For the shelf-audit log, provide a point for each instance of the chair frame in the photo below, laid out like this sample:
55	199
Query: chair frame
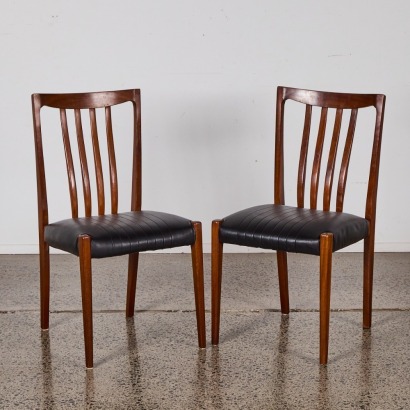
92	101
326	100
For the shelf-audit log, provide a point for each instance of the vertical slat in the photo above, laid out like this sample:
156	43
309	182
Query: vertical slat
371	198
327	192
40	171
314	185
279	189
97	162
83	162
303	157
136	163
341	187
70	165
112	162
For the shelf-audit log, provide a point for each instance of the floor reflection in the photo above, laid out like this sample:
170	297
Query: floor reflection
280	367
134	362
366	370
276	395
323	399
89	388
200	384
215	382
48	399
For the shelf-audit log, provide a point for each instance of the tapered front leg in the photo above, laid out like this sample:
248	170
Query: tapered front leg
132	283
198	276
216	280
84	246
326	250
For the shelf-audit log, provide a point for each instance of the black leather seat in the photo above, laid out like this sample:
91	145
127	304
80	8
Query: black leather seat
290	229
121	234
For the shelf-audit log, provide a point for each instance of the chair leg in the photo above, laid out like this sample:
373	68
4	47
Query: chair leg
198	276
326	250
132	284
84	246
368	263
44	285
283	281
216	281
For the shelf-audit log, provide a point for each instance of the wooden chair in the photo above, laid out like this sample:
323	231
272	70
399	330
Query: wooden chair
304	228
105	233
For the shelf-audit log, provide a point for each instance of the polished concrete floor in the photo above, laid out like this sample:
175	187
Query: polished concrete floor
264	360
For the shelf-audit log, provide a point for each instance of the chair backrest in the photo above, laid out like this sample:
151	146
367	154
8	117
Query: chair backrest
325	102
77	107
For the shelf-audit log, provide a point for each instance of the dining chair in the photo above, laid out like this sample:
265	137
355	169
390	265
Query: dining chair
312	227
98	226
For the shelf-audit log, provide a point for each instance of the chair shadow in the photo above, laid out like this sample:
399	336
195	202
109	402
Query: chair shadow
233	333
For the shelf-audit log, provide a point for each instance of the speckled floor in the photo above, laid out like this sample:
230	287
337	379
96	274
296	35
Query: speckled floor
264	360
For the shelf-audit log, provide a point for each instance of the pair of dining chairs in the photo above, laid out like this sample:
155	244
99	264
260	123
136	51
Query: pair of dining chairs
105	231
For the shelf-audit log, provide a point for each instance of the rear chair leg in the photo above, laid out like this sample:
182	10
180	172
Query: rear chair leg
326	250
132	284
84	246
198	276
283	281
216	280
368	263
44	285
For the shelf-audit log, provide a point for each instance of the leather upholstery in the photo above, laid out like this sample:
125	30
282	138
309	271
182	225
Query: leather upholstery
123	233
290	229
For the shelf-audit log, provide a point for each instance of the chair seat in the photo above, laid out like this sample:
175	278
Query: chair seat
291	229
121	234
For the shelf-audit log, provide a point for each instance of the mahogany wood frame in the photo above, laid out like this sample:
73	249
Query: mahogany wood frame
91	102
325	100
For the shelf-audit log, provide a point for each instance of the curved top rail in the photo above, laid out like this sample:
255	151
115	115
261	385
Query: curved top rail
331	99
86	100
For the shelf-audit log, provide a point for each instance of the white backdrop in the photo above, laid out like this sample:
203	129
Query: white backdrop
208	73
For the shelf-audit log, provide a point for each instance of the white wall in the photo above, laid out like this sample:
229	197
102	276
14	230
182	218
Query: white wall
208	72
